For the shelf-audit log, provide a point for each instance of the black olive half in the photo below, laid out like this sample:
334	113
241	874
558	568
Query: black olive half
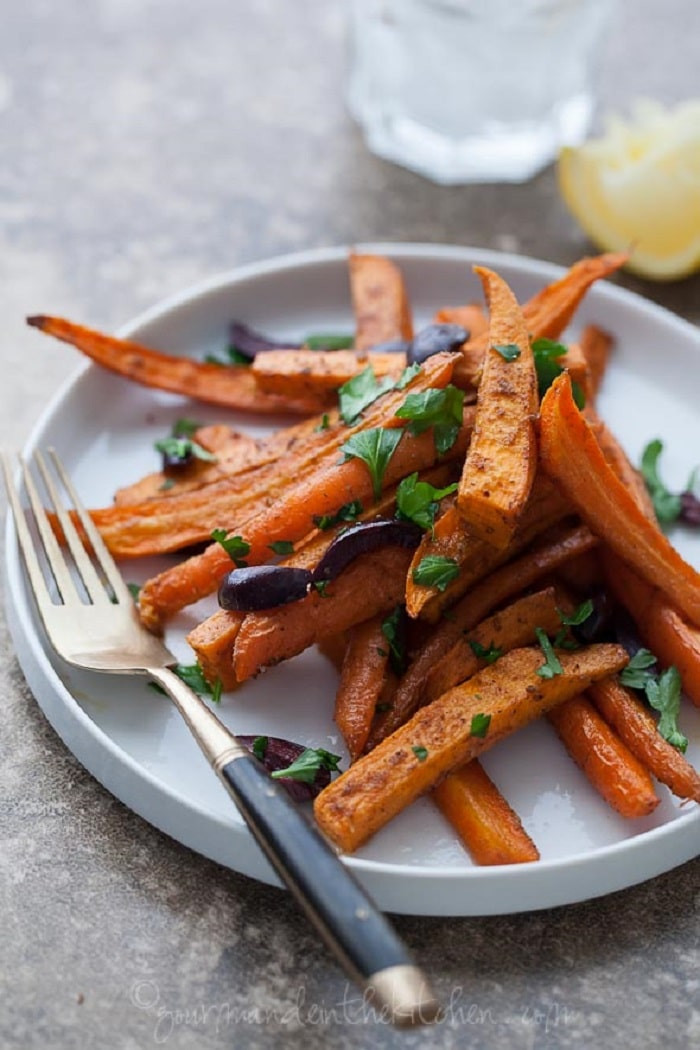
278	753
262	587
362	538
248	342
436	339
597	626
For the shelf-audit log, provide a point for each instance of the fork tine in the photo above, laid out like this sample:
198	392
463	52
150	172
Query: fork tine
93	584
52	550
102	555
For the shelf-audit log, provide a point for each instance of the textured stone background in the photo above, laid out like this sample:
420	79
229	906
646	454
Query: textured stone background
144	145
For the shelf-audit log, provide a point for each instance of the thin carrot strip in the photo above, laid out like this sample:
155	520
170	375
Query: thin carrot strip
361	683
487	825
572	457
230	386
636	727
315	373
610	766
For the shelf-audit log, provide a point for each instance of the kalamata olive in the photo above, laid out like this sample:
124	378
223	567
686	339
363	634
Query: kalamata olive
435	339
263	587
362	538
597	627
277	753
248	342
173	463
690	508
626	632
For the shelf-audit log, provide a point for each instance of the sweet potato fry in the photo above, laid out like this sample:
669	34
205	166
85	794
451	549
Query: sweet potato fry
361	683
610	766
487	825
450	732
487	595
572	457
500	464
596	346
549	312
379	301
231	387
322	490
453	538
635	725
372	584
318	373
663	629
511	628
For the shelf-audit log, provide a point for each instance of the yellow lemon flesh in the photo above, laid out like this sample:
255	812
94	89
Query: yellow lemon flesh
638	188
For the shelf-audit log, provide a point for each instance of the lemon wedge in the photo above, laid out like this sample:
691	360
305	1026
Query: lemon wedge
638	187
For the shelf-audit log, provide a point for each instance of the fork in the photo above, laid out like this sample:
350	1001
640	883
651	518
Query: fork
99	630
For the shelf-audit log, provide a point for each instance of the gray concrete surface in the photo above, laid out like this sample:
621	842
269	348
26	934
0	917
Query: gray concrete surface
145	145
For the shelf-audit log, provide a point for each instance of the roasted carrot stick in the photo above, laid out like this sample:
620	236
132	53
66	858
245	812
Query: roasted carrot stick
452	538
549	312
317	373
361	683
596	346
663	629
487	825
471	316
572	457
636	727
610	766
451	731
618	461
231	386
372	584
379	300
509	629
212	641
500	466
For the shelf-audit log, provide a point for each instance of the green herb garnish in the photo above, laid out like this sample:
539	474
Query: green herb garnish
480	725
637	674
667	505
508	351
329	342
488	653
578	616
664	695
282	547
407	376
348	512
417	501
307	765
185	427
235	546
260	747
360	392
183	448
435	571
168	484
440	409
551	666
393	629
547	354
375	448
420	752
193	676
324	424
322	586
134	590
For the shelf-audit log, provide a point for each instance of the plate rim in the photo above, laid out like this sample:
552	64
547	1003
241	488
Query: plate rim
371	872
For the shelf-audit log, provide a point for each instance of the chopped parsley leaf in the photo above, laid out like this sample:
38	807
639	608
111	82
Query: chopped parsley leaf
420	752
306	766
435	571
551	666
508	351
440	409
417	501
235	546
374	447
348	512
360	392
282	547
480	725
488	653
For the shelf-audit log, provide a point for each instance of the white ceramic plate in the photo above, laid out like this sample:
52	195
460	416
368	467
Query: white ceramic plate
135	744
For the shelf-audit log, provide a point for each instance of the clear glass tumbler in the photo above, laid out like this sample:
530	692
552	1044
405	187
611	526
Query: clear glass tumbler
473	90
